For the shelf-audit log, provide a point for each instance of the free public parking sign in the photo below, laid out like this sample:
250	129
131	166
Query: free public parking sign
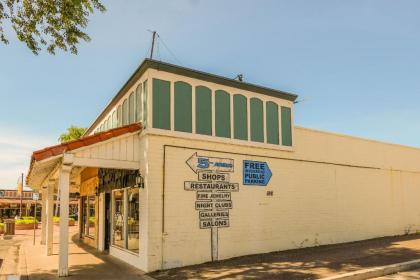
256	173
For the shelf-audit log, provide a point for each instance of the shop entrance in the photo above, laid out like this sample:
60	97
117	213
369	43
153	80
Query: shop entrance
107	220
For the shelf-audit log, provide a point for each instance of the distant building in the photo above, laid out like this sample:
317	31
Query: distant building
10	203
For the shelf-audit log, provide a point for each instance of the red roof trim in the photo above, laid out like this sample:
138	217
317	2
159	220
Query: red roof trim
85	141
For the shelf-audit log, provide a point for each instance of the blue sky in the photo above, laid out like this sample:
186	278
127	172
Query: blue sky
354	63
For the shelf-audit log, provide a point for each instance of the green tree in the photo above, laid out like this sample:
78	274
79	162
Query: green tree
72	133
48	23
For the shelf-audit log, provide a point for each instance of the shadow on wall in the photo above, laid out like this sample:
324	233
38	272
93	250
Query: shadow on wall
308	263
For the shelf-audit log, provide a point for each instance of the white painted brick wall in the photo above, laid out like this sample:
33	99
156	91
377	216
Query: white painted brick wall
313	203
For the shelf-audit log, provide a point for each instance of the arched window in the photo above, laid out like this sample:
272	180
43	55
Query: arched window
114	119
286	126
139	103
272	119
125	112
131	108
257	120
144	99
240	115
222	103
183	106
203	110
119	116
108	122
161	104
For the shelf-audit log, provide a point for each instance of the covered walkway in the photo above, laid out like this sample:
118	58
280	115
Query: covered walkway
84	262
57	171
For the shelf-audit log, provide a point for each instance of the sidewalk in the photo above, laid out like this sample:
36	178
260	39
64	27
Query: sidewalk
310	263
84	262
10	255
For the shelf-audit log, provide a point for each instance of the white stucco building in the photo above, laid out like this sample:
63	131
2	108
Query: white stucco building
184	167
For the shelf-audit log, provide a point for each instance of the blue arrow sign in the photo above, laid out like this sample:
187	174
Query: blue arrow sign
256	173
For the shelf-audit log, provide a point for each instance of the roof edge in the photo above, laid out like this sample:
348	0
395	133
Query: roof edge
60	149
192	73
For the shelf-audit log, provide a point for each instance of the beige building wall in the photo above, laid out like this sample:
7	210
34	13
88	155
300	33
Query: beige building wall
329	189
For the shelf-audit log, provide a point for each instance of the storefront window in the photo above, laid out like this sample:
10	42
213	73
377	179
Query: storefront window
118	219
85	229
133	220
126	217
92	217
88	221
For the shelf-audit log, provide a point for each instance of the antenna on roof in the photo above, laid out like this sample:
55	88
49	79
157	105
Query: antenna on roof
239	77
298	101
153	43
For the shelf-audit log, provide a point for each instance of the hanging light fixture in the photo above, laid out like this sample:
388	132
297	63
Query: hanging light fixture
139	181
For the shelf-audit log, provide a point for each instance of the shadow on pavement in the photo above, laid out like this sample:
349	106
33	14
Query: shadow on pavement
308	263
107	267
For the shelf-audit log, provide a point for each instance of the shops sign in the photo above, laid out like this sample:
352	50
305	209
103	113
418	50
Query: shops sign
256	173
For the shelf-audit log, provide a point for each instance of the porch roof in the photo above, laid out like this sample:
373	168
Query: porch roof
44	161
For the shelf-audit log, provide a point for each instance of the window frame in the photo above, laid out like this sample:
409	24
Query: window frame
125	112
183	115
223	125
256	120
125	220
240	121
131	108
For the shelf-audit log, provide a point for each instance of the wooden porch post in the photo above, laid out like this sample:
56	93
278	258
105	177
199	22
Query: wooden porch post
43	216
49	219
64	186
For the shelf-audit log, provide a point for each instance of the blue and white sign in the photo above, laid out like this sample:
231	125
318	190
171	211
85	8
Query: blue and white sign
256	173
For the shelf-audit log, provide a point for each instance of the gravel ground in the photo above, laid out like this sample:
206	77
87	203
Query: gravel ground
310	263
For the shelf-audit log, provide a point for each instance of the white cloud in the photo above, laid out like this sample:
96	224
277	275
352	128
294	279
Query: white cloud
16	148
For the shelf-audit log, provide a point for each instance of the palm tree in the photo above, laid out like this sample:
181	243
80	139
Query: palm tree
72	133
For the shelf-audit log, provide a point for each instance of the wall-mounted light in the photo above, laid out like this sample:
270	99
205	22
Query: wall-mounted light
139	181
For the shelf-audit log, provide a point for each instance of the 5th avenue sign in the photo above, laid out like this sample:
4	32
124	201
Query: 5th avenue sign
197	163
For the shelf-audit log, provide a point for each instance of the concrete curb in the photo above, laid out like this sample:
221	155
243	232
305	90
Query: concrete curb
377	271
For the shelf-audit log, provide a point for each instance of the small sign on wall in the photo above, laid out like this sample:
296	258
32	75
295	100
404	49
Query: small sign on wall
256	173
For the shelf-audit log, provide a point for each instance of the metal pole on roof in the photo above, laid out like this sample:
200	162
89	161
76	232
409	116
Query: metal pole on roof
153	44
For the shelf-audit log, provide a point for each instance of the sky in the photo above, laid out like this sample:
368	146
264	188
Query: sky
354	64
